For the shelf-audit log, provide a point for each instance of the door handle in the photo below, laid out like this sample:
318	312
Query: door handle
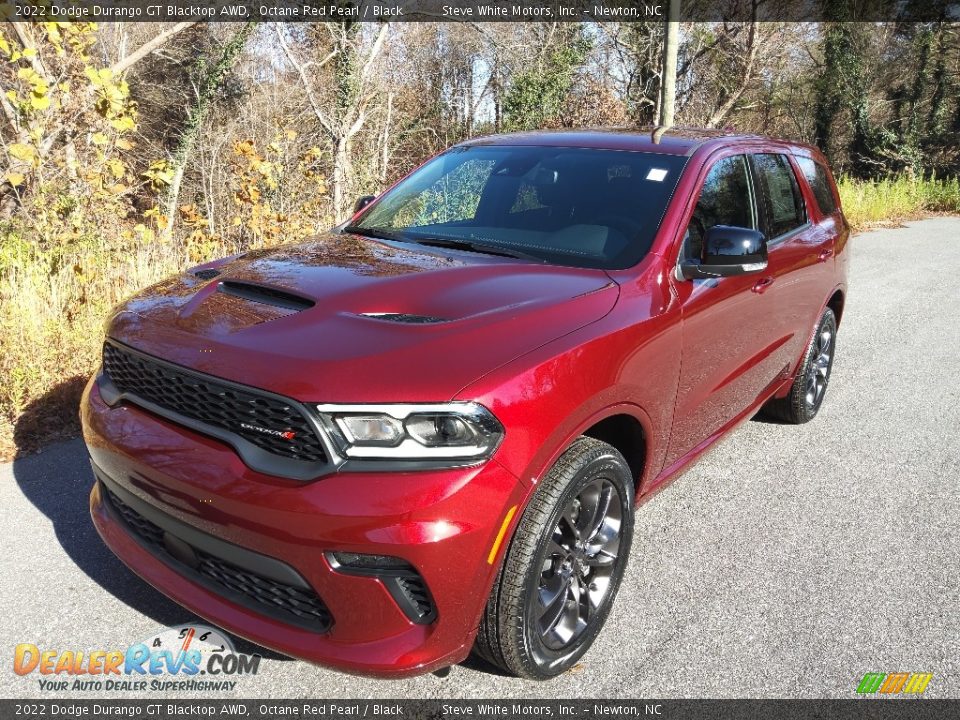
762	284
825	255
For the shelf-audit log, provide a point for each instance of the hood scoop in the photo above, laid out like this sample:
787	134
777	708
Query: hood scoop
407	318
265	295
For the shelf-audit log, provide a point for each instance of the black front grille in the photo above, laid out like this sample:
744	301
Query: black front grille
298	605
266	421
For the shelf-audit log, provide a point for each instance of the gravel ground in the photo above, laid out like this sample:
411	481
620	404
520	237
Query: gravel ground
787	563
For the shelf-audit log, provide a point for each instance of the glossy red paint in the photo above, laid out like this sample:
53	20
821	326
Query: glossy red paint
551	351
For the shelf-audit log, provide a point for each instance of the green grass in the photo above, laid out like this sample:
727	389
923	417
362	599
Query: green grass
871	202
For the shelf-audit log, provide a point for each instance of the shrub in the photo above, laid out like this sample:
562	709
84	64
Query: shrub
869	202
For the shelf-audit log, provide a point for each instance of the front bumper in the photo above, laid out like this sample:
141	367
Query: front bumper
444	523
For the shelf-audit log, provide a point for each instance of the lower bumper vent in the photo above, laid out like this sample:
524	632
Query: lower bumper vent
405	584
419	605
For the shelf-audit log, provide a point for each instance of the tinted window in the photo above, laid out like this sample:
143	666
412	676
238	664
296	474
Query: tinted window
819	181
724	200
783	204
571	206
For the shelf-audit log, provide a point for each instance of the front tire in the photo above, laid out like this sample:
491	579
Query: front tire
564	565
810	385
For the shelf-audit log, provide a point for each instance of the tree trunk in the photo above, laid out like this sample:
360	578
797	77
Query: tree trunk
918	91
668	82
341	175
936	121
385	144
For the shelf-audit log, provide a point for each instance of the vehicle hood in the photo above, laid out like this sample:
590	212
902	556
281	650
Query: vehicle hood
476	313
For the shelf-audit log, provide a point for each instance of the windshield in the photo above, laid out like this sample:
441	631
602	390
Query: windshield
568	206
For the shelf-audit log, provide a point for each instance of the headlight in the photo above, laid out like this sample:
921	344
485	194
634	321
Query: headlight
448	431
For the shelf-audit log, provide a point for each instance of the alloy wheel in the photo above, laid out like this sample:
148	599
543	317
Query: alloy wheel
819	370
579	565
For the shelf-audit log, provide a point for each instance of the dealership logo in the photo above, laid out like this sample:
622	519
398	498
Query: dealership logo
899	683
286	434
189	657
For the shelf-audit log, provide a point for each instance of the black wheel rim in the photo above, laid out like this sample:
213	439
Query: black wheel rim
580	564
819	371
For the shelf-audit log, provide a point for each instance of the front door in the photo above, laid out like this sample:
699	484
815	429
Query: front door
728	326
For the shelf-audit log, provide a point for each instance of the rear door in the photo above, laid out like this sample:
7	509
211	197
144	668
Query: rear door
825	211
798	246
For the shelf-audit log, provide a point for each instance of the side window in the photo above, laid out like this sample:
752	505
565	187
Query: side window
725	199
819	181
783	204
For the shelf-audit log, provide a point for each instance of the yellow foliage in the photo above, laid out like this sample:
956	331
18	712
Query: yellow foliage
25	153
117	168
159	174
78	245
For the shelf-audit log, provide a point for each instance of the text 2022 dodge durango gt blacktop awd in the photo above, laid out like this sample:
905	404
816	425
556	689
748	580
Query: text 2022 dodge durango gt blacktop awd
426	431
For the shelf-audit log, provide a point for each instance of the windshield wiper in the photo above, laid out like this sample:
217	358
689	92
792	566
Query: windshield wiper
476	247
374	232
454	244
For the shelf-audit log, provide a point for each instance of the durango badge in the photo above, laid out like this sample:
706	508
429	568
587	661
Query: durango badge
286	434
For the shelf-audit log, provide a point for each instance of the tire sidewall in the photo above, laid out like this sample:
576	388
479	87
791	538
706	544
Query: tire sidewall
602	463
827	318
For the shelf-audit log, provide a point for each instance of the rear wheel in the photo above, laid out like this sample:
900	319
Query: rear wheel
564	565
810	384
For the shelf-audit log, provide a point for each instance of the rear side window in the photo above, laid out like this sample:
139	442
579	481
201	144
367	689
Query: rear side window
783	204
819	181
724	200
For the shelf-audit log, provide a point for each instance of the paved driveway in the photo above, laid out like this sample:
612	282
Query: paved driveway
787	563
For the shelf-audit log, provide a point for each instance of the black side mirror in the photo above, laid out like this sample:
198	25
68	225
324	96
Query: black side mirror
362	202
728	251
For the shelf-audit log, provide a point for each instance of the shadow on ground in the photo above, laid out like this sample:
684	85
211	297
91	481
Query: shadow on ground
58	483
50	418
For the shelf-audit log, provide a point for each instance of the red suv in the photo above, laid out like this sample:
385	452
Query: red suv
426	431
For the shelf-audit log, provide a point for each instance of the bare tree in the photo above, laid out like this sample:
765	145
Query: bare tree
209	83
353	65
153	45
